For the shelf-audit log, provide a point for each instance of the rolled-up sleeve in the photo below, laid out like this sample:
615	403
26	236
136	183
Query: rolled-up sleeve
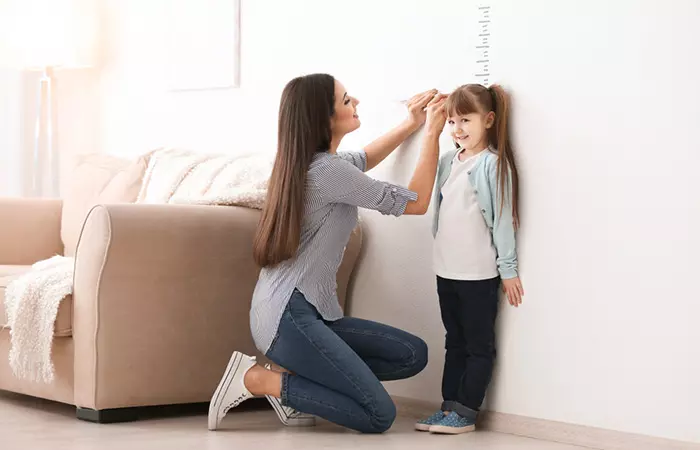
340	181
357	159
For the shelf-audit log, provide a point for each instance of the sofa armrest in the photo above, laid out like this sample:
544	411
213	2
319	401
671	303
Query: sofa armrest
30	230
161	299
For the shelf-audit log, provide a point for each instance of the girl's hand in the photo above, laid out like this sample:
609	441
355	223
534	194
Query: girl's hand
416	107
436	114
514	291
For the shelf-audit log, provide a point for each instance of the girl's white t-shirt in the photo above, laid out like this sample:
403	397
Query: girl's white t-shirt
463	248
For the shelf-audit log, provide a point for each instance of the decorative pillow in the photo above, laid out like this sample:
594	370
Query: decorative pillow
97	179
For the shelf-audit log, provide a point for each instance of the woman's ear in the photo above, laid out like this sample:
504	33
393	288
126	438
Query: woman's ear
490	119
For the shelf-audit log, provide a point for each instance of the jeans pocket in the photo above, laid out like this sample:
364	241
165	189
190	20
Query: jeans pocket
271	348
285	316
495	287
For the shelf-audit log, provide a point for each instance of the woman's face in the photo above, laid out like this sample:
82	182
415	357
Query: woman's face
345	120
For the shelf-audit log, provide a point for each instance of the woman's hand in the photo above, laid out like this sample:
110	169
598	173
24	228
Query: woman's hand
514	291
436	114
381	147
416	107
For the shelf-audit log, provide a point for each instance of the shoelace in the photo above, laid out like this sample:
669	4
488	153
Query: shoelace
293	413
235	403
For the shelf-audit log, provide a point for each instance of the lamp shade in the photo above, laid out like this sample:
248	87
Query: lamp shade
35	34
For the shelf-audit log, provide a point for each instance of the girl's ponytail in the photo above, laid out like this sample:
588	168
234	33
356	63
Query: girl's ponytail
500	139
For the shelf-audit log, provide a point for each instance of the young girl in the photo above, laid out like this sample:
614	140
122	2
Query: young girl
476	216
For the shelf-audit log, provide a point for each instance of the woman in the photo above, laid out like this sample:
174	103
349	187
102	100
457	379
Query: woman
336	363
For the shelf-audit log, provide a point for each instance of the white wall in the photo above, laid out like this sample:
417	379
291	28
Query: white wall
606	130
10	132
606	101
78	117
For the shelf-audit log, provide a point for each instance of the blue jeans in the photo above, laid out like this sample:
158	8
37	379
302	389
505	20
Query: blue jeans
338	366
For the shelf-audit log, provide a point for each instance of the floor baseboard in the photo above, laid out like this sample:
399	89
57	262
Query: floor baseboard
547	430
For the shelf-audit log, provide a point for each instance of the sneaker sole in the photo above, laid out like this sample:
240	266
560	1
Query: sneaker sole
441	429
308	421
422	427
214	406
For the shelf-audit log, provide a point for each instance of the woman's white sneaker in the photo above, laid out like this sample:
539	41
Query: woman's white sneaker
289	416
231	391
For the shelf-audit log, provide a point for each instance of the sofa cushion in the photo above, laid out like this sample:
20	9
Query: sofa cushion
64	320
97	179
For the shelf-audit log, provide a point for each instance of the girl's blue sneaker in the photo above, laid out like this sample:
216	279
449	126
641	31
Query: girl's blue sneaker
425	424
453	423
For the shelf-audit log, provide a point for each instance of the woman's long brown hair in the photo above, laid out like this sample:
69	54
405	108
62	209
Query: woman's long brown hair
304	128
475	98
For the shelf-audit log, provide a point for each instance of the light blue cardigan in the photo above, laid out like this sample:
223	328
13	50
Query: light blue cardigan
484	179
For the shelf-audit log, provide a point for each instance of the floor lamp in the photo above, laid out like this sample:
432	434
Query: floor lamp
47	36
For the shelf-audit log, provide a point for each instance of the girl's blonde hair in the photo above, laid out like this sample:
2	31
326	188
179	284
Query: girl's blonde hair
475	98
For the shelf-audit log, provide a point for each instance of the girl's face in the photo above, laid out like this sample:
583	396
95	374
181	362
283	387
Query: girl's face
470	131
345	120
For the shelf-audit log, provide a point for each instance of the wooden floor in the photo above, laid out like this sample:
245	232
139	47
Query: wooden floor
29	424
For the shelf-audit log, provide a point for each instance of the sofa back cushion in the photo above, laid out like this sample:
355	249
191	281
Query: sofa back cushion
97	179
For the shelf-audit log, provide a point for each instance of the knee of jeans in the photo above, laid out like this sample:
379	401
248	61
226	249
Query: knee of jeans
384	414
483	348
421	357
455	341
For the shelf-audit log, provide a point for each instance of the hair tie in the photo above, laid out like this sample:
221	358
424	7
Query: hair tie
492	92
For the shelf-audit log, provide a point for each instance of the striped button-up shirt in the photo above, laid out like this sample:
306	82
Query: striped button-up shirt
336	186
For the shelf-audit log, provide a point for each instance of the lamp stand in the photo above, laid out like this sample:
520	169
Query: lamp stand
45	155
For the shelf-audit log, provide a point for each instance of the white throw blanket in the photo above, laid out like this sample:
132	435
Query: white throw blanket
172	176
31	303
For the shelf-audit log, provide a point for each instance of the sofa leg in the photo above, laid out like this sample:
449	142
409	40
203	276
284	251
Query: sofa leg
107	415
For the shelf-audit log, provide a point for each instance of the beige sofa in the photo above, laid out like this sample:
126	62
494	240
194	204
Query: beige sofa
160	300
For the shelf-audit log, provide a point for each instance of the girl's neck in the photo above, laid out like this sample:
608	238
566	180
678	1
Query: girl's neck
469	152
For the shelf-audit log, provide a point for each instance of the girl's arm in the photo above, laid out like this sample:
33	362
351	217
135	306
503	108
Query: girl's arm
382	147
503	226
423	178
504	239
